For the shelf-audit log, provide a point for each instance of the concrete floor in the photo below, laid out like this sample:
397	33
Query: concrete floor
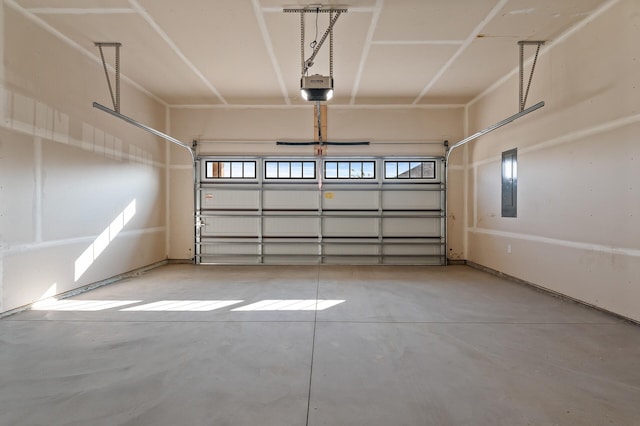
408	346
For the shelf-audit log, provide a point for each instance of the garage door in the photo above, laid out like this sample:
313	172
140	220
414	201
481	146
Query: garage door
285	210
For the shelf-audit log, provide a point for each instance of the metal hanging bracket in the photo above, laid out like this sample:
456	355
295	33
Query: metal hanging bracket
335	13
523	95
115	98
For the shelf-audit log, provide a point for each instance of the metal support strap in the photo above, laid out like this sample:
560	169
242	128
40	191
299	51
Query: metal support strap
309	62
523	95
334	14
115	98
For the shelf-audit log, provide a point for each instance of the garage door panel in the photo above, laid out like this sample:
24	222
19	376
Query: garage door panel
290	200
350	227
350	200
411	227
301	247
226	247
410	249
291	226
411	200
222	199
231	226
229	259
346	249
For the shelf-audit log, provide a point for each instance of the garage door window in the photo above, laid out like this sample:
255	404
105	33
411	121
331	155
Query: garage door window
409	169
230	169
350	170
290	169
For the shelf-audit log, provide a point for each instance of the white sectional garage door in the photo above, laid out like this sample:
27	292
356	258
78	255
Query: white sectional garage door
381	210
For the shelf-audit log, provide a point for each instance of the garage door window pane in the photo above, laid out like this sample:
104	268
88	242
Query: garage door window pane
331	170
237	169
296	170
309	170
283	169
415	170
249	170
271	170
368	170
356	170
391	170
343	170
403	170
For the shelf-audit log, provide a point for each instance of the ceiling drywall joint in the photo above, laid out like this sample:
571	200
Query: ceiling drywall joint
145	15
266	38
365	51
467	42
524	94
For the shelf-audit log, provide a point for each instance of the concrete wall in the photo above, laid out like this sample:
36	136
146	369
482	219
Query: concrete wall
578	225
254	131
82	194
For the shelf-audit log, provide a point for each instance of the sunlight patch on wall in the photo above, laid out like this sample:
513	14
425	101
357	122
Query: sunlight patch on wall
290	305
184	305
96	248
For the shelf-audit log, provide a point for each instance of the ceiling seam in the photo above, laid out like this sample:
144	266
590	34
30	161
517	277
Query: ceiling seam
417	42
80	11
266	38
365	52
145	15
94	57
546	48
494	11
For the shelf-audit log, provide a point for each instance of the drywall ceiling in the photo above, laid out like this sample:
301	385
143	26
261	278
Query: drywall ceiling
247	52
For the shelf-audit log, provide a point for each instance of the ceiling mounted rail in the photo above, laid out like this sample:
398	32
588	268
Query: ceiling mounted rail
144	127
493	127
116	99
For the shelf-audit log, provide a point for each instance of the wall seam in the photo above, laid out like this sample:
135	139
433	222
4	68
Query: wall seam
10	250
568	137
167	185
631	252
